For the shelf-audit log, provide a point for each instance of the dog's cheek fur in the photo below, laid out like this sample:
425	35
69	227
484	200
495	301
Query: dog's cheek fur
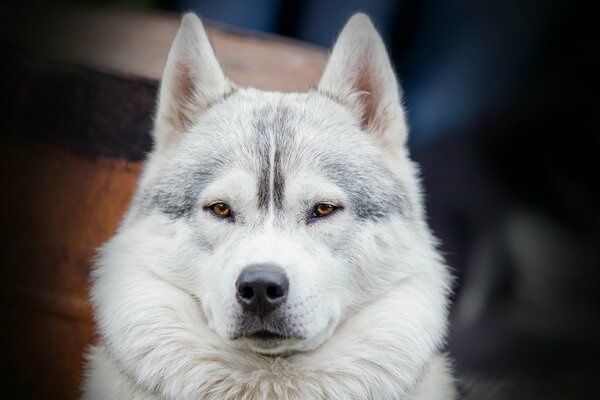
375	261
161	344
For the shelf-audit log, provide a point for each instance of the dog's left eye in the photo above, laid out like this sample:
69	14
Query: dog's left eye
323	210
221	210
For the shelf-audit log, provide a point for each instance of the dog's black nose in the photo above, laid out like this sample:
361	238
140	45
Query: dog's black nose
260	288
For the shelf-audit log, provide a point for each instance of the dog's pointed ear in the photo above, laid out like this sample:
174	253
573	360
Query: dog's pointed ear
359	74
192	79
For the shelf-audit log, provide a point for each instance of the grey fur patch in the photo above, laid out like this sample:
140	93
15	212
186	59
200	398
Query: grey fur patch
282	130
271	127
278	181
263	147
373	192
176	192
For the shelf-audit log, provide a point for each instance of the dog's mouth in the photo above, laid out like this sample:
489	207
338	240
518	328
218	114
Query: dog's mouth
262	335
270	338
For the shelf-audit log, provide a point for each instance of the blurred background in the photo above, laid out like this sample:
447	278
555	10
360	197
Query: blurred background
503	103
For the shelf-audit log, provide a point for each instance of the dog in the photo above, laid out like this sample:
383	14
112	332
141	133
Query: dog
276	246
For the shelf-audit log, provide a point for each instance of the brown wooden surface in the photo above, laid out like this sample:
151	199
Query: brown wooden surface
77	94
56	211
135	42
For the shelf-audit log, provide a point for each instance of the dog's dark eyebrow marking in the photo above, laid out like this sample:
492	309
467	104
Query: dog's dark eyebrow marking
373	192
282	135
278	181
176	191
271	128
263	150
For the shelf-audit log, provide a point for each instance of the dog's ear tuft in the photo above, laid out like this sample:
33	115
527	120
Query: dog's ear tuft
192	79
359	74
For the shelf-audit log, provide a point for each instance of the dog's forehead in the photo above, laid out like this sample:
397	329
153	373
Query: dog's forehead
303	130
288	118
273	136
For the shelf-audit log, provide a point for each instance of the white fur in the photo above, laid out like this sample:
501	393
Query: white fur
370	318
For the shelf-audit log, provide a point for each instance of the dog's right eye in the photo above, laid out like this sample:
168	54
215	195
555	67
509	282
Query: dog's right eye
322	210
220	210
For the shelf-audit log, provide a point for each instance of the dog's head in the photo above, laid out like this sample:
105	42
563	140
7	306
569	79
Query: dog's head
280	214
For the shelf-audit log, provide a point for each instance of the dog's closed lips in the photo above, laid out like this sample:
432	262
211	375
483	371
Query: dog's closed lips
263	334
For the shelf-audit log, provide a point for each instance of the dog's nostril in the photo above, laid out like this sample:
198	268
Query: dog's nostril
247	292
274	292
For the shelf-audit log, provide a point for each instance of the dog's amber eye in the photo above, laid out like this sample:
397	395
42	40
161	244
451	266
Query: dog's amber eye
221	210
323	209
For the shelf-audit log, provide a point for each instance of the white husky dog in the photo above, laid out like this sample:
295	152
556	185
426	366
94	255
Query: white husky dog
276	247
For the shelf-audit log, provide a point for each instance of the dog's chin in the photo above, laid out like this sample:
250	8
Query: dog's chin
280	347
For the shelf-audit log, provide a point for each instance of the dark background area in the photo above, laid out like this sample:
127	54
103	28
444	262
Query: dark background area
502	99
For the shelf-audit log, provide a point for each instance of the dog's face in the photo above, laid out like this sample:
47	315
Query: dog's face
280	214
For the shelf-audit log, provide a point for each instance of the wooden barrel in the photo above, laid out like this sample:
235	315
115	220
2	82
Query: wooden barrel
77	95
